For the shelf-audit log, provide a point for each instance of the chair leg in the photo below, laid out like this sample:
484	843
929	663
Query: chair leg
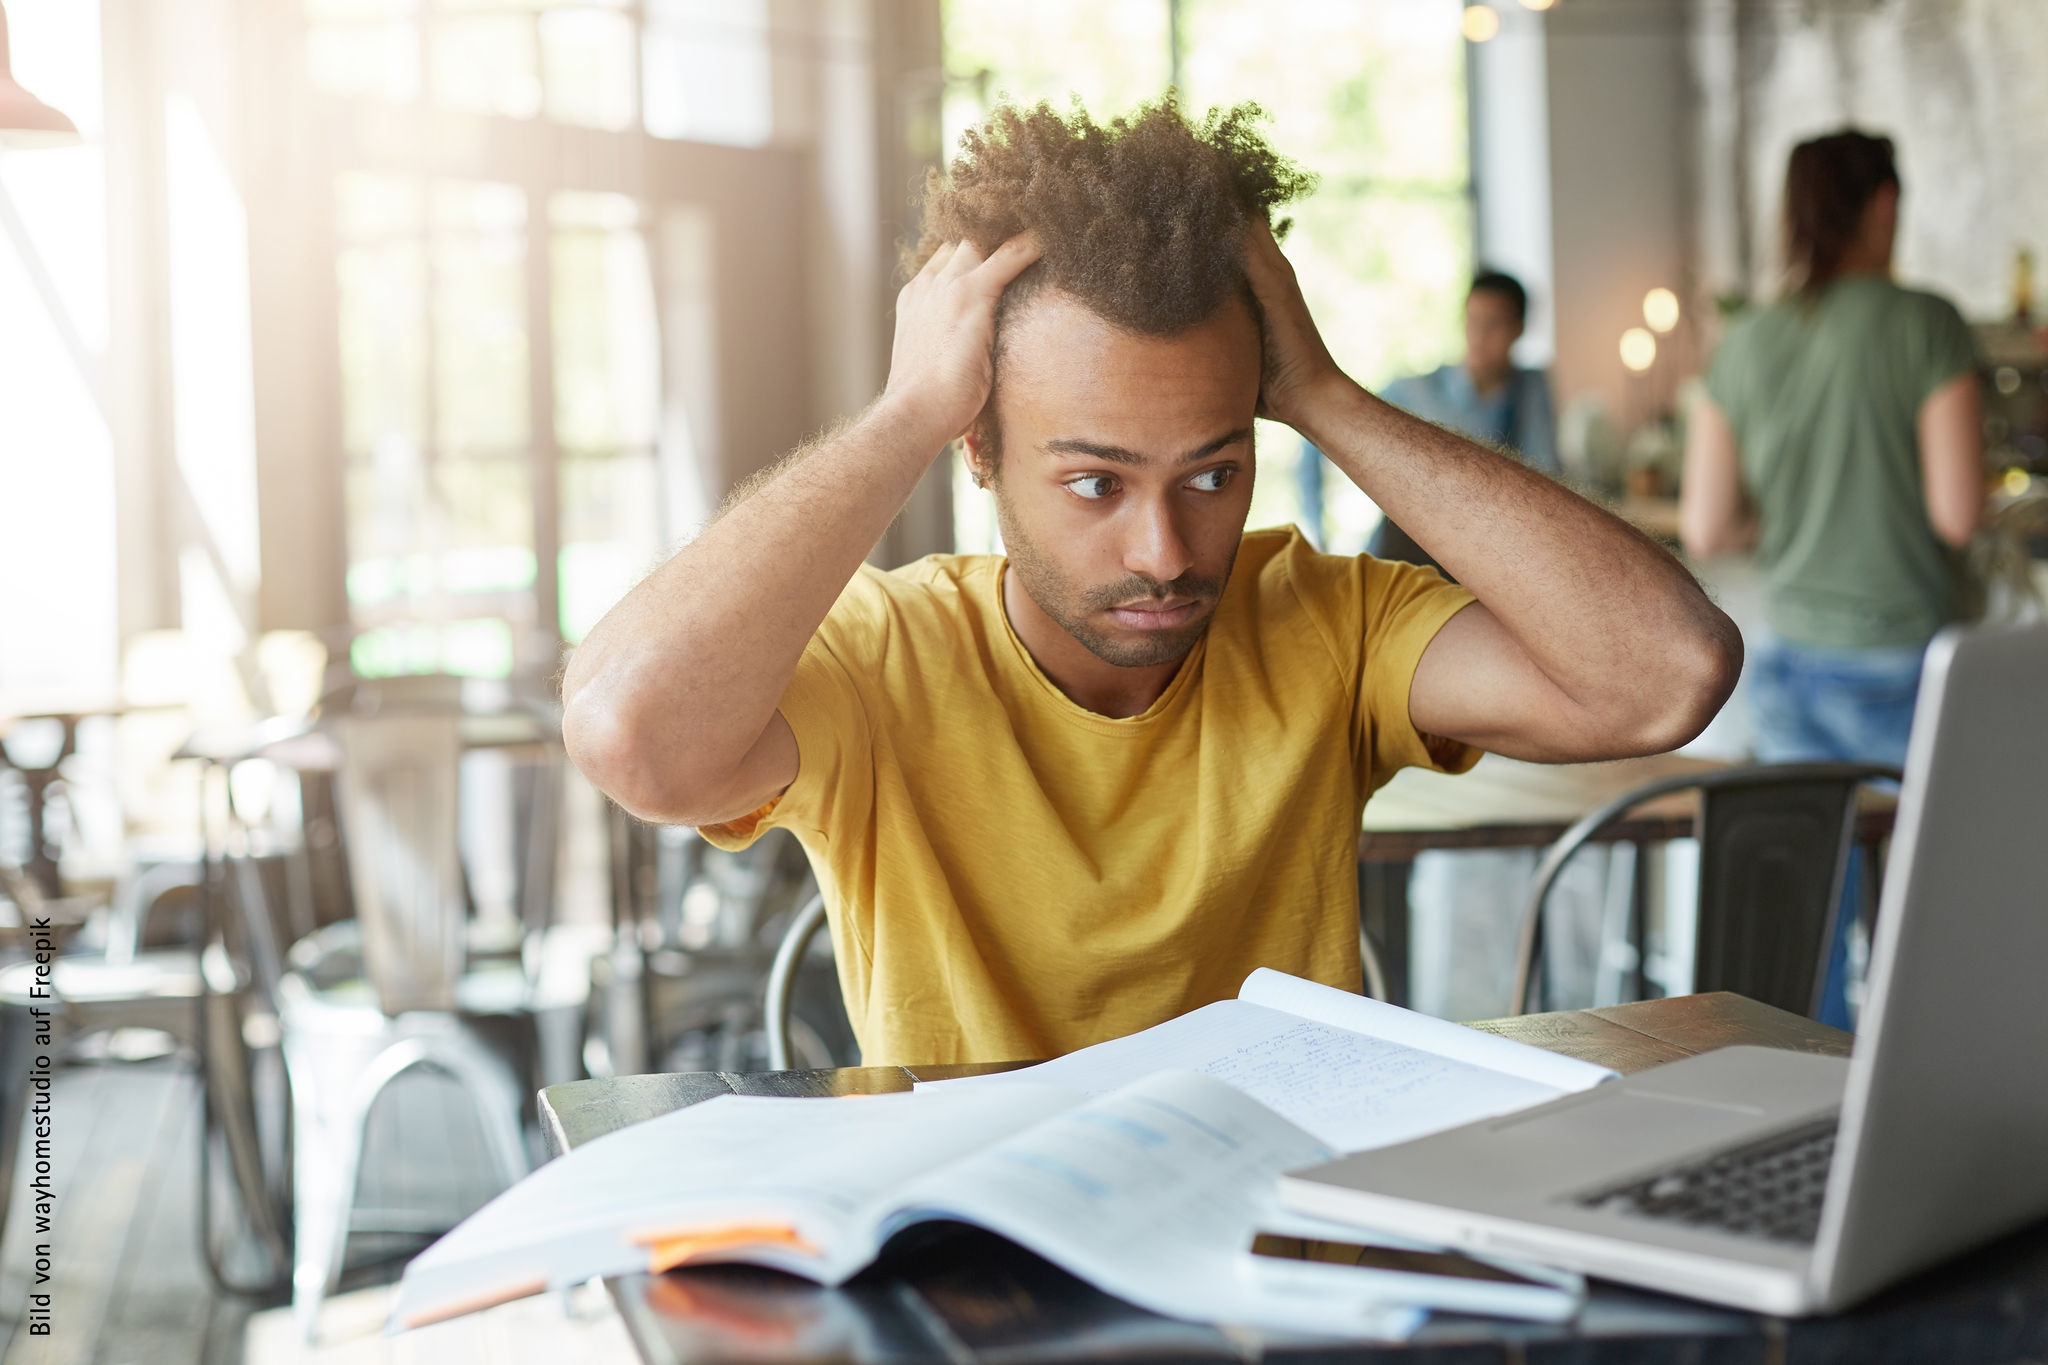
1618	954
1638	925
621	992
319	1202
328	1109
226	1074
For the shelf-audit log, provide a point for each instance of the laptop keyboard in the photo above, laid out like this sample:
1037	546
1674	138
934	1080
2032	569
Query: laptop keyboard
1772	1189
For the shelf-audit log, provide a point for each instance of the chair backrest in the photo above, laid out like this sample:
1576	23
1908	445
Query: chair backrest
400	775
1773	855
781	993
1774	848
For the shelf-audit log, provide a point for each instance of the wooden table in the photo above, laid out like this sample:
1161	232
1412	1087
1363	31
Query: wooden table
959	1296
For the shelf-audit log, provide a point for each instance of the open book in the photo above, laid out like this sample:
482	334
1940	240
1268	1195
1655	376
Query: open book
1352	1071
1128	1167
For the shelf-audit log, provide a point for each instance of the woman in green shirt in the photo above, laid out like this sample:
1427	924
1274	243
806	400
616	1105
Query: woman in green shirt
1840	440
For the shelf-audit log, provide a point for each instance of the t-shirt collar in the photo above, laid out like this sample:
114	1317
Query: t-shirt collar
1183	678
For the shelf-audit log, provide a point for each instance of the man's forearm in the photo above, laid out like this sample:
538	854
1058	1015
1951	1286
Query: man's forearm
672	688
1598	607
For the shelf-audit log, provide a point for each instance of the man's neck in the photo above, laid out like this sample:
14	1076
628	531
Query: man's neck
1090	682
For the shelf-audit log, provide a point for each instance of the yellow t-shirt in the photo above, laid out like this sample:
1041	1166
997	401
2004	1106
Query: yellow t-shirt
1009	875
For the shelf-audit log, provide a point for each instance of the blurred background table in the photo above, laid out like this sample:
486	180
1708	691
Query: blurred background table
1501	803
35	739
1506	803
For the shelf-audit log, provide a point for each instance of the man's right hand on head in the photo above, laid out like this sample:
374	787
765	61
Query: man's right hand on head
942	365
1297	365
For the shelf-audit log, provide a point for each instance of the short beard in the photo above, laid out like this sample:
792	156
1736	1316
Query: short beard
1071	606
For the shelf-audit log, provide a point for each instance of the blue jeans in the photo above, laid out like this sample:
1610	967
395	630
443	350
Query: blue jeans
1818	705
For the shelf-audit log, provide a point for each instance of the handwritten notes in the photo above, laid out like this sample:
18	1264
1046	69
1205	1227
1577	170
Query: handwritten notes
1347	1088
1391	1023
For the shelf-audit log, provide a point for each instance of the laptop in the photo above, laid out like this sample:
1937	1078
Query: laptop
1780	1181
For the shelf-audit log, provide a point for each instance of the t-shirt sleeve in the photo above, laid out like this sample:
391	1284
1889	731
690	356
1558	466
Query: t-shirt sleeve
1943	347
1405	605
826	710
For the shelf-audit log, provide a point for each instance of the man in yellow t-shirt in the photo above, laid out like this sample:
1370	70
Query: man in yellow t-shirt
1063	794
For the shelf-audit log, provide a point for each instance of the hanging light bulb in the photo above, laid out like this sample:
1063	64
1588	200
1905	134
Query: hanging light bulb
26	121
1480	23
1660	309
1638	349
1538	4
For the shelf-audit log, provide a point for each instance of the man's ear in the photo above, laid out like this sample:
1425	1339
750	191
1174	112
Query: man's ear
978	444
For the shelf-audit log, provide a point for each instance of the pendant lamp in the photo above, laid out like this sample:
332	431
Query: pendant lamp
26	121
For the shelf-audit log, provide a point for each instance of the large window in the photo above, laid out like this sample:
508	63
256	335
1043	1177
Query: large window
695	69
435	421
1370	94
503	392
607	401
56	452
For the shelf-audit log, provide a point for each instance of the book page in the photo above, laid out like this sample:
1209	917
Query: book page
811	1166
1362	1014
1348	1090
1154	1194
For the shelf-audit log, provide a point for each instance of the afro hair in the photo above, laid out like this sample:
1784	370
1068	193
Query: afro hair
1142	219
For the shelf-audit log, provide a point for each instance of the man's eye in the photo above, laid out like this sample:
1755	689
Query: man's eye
1211	480
1093	486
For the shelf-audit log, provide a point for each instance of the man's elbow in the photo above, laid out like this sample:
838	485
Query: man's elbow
1693	682
616	755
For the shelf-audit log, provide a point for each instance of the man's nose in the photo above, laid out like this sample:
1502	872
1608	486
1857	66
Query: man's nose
1156	547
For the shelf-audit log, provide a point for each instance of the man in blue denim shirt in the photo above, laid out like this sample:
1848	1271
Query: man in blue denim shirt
1486	397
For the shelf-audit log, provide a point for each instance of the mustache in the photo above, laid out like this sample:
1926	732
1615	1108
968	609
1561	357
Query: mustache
1136	587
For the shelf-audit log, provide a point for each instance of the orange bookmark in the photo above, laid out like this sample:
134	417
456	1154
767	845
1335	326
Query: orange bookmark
668	1249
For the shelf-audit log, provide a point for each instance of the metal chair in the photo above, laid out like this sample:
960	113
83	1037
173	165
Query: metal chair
1774	851
400	986
696	932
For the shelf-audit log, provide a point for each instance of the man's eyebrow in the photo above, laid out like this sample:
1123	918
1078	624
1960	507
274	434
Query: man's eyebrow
1069	445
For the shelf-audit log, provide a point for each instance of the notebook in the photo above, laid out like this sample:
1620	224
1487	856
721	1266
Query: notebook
1124	1163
